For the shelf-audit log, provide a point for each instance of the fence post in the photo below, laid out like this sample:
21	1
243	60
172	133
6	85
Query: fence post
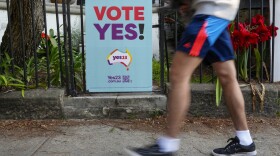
72	73
59	43
47	46
34	45
161	49
65	47
83	48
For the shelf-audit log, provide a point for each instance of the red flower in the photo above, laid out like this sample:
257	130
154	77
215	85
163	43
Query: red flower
43	35
246	34
257	20
273	28
247	38
234	39
243	38
263	31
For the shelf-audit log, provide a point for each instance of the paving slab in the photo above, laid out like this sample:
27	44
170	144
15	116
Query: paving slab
109	140
15	146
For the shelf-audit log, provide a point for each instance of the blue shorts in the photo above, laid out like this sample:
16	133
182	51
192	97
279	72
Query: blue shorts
207	37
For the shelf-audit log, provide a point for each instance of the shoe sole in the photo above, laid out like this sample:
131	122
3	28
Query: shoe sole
254	153
131	153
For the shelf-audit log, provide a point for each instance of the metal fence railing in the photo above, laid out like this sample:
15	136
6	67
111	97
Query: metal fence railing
205	74
50	60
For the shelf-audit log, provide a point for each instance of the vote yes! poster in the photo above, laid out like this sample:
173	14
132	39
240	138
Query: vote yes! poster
118	45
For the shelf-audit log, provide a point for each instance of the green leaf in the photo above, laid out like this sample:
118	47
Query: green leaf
4	79
8	58
22	93
16	80
51	33
219	92
258	62
231	29
16	85
54	42
41	51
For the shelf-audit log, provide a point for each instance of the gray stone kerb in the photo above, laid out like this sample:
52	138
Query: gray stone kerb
36	104
53	104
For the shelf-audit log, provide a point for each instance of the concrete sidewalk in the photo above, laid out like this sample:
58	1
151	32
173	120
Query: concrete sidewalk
101	139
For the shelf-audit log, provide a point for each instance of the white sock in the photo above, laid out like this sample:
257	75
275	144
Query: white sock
244	137
168	144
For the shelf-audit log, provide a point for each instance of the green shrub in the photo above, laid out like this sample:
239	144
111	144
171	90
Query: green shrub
156	72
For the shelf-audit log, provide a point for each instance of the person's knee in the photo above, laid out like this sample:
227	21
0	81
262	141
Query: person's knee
226	77
175	76
178	77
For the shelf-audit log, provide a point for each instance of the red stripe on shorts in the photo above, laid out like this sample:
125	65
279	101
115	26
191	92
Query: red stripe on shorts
199	41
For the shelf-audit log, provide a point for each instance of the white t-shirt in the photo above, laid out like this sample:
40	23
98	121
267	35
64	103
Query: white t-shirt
226	9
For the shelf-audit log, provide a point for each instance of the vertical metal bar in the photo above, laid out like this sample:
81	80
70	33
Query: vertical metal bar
273	42
47	46
166	55
11	53
161	3
176	43
65	47
72	73
262	47
34	45
250	48
176	29
22	41
161	47
238	51
83	48
59	44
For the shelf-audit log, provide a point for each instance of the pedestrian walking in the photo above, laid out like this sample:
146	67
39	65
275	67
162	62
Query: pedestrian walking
205	39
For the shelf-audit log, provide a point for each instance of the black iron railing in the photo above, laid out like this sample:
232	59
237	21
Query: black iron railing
248	9
67	74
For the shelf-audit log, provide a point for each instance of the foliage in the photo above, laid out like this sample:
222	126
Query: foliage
250	34
15	80
219	92
245	35
206	78
156	72
7	78
55	62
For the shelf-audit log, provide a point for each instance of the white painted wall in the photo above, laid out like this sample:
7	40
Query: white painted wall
51	22
276	76
3	23
155	37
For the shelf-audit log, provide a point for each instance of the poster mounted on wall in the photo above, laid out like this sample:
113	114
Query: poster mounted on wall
118	45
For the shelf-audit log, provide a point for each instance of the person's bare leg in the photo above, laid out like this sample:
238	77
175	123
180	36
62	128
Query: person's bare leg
181	71
226	73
